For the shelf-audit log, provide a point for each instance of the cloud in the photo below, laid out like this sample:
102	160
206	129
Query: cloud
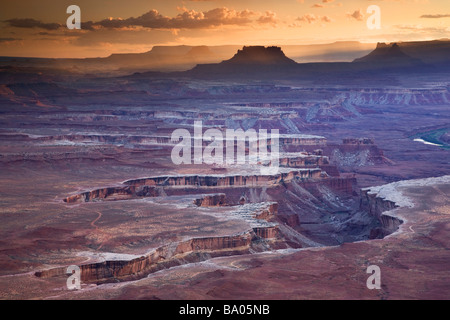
357	14
311	18
270	17
188	19
294	25
9	39
320	5
64	33
32	23
435	16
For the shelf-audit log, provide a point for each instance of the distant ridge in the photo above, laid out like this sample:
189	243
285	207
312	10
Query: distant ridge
390	56
200	52
251	62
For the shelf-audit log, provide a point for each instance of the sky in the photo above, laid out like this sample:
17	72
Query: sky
31	28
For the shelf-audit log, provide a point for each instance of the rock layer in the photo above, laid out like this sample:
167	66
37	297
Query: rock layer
192	250
378	207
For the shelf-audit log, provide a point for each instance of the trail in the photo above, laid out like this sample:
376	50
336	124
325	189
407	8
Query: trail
98	218
97	229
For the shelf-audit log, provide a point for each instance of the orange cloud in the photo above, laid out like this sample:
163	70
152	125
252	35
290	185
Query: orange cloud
357	14
187	19
311	18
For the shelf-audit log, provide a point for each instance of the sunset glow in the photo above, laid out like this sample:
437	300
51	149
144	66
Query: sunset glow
38	29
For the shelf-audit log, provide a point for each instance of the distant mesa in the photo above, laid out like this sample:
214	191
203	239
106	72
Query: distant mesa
260	55
253	61
390	55
169	50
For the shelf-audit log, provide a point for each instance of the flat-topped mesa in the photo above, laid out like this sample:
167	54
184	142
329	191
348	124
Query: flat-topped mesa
166	140
284	139
96	138
260	55
358	141
259	237
390	55
228	180
191	250
114	193
157	186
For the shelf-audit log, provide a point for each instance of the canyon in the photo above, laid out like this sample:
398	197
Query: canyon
88	180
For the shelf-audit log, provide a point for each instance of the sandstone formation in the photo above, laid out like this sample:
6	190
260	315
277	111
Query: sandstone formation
225	180
188	251
192	250
377	207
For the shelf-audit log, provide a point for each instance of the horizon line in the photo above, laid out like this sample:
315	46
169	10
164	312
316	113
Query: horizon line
225	45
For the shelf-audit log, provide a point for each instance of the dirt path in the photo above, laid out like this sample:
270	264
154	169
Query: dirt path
97	229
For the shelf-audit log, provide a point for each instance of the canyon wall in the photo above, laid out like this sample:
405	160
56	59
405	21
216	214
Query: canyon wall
267	232
345	186
376	206
303	161
213	200
114	193
138	189
226	181
192	250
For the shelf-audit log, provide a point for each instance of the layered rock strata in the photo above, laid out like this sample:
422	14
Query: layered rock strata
259	237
